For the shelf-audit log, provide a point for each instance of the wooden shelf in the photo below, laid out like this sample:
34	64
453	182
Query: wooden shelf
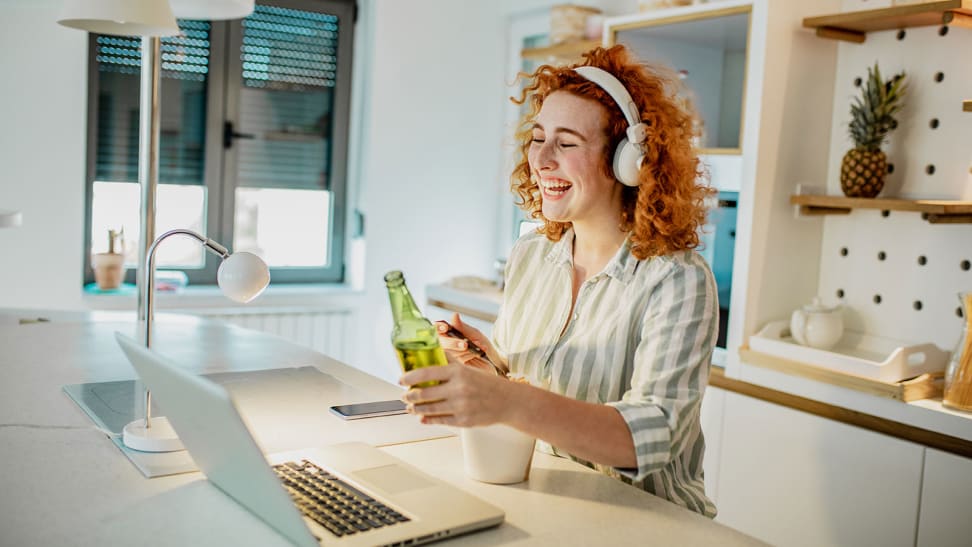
934	211
568	51
853	26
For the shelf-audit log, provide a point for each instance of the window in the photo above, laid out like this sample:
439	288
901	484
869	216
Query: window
253	147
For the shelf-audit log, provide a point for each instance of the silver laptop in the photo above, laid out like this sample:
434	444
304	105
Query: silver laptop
343	494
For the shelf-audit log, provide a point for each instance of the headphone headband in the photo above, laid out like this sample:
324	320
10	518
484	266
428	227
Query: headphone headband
609	83
630	153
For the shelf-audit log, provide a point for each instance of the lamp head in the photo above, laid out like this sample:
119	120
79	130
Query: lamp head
10	219
243	276
120	17
212	10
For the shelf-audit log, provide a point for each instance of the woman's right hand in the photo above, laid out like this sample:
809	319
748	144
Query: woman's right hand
458	349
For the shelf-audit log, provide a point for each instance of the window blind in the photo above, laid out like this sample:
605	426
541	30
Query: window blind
184	65
289	64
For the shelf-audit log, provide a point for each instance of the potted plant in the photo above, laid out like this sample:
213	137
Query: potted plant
864	167
109	268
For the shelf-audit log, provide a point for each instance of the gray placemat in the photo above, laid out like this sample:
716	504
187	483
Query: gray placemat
111	406
285	409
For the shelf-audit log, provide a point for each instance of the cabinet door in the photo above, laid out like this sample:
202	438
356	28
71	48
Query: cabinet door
946	499
792	478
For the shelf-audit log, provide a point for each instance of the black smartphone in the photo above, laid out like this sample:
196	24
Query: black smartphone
357	411
454	333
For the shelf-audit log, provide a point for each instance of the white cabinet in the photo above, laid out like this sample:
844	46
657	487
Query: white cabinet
792	478
946	501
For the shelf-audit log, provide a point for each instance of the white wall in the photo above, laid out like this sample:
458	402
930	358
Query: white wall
43	108
430	152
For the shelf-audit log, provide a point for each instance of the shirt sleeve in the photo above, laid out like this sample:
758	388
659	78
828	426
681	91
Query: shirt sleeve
671	364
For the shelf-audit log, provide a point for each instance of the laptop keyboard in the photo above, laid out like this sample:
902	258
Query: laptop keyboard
333	503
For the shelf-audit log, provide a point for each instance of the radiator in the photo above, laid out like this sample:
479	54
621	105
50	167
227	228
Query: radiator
326	331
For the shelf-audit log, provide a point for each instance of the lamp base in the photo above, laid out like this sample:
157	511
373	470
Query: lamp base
158	438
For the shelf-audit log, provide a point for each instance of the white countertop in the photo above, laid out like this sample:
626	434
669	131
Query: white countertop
64	482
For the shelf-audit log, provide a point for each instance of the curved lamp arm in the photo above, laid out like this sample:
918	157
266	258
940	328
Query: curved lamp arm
149	281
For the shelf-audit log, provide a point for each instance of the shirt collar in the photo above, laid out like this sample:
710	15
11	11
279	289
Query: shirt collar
561	253
621	266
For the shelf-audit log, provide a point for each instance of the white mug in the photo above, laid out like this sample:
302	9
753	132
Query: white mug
497	454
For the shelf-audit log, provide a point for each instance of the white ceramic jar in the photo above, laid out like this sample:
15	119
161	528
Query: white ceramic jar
817	325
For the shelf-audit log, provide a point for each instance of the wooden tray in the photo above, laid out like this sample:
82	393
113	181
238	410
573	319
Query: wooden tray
925	386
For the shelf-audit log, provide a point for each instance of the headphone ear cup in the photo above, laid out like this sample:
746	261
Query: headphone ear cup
627	163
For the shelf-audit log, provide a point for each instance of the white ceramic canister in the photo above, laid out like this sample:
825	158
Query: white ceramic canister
817	325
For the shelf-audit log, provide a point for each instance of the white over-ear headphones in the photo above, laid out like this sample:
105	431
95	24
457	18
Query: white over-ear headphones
630	153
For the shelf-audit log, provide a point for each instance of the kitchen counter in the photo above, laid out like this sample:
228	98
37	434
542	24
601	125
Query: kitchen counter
64	482
924	421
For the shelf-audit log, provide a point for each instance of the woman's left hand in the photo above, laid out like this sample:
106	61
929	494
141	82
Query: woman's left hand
464	397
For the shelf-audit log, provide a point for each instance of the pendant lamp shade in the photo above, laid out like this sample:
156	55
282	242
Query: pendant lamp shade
211	10
10	219
120	17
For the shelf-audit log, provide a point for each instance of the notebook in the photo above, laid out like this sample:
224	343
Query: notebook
343	494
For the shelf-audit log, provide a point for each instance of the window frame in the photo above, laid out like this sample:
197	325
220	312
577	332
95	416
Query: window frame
219	171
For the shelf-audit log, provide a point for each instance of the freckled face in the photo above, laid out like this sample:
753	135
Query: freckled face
567	154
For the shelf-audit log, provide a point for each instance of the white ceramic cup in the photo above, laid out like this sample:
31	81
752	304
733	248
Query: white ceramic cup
497	454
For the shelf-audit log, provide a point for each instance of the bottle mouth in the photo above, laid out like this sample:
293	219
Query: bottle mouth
394	277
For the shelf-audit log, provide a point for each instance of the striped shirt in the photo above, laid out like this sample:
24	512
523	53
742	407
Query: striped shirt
640	339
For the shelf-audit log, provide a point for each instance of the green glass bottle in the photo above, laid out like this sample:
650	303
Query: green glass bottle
414	337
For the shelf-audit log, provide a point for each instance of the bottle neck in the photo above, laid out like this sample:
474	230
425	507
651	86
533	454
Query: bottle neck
402	304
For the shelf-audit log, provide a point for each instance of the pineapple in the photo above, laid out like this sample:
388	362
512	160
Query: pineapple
865	166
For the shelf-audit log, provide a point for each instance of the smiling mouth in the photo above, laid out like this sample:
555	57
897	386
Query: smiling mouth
555	187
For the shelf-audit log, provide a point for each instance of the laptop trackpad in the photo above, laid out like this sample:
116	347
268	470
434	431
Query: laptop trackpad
393	478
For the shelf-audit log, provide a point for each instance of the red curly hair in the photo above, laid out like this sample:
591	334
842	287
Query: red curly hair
664	212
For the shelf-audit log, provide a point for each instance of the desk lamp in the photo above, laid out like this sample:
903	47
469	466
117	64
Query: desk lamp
149	19
242	277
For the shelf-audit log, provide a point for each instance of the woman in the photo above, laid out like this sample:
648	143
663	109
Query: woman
606	306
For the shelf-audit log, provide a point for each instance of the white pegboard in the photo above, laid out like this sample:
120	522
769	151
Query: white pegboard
899	279
914	145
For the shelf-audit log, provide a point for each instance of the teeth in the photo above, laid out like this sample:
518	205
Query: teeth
556	185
